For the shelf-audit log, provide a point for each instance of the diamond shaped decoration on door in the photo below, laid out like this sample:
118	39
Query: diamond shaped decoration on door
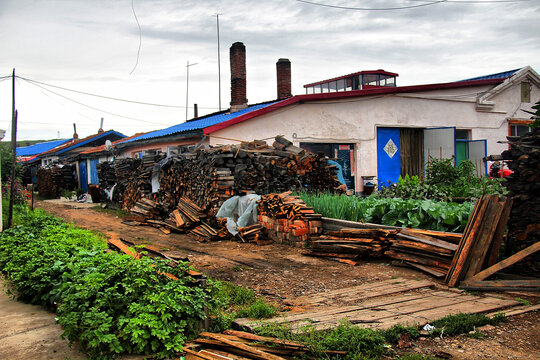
390	148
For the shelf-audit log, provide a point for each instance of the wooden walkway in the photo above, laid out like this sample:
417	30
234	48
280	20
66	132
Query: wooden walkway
382	304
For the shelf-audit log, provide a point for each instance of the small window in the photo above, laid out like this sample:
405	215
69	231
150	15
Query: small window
463	134
518	130
525	92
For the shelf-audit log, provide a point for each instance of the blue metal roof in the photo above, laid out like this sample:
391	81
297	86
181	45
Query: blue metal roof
197	124
40	147
88	140
501	75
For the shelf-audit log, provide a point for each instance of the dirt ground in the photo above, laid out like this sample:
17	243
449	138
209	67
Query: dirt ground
281	273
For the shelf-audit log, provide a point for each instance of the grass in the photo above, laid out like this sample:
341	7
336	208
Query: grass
463	323
523	301
111	211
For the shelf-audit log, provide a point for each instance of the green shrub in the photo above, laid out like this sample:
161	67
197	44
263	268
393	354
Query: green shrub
393	334
108	302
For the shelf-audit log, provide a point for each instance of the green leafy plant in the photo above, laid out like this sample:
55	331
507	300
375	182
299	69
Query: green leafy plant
424	214
108	302
393	334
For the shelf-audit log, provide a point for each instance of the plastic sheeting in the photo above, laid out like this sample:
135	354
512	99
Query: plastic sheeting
240	211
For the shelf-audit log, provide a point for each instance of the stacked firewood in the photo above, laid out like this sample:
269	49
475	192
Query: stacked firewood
106	174
524	187
288	219
53	180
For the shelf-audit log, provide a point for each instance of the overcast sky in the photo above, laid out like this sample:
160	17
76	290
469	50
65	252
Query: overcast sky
92	46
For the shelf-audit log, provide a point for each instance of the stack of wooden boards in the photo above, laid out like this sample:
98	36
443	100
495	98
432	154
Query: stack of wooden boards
51	181
481	240
287	219
524	187
429	251
243	345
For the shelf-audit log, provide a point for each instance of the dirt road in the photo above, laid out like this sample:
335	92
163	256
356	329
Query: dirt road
281	273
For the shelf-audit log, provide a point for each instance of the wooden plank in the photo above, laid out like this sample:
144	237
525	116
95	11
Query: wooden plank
479	252
427	269
518	310
503	285
493	251
428	240
257	353
387	287
506	262
469	242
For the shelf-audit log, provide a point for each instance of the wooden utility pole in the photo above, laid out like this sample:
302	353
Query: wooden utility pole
14	148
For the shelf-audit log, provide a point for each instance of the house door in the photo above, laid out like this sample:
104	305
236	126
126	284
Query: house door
439	143
345	155
477	152
83	175
388	155
94	179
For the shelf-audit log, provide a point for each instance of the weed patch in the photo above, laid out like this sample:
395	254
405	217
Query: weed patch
463	323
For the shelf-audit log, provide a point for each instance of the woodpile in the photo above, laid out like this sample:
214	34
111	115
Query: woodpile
524	187
429	251
209	176
481	240
53	180
351	244
287	219
243	345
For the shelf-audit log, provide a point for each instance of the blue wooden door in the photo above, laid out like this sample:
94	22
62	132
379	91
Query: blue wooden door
388	155
94	179
83	175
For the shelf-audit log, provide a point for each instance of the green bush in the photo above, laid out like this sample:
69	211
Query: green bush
444	181
463	323
108	302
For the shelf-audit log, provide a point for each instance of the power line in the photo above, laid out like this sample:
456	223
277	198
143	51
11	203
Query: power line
371	9
140	36
94	108
109	97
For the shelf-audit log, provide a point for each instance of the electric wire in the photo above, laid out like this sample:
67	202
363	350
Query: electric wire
109	97
97	109
140	37
371	9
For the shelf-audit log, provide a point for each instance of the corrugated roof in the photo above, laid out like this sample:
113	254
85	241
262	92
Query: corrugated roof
501	75
40	147
198	124
80	142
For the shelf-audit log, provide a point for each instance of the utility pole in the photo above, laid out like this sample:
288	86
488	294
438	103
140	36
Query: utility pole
14	148
218	60
187	87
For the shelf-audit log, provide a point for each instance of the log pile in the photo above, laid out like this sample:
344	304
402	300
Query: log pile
287	219
53	180
242	345
524	187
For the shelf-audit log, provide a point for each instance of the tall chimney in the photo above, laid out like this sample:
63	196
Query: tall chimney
75	135
283	71
238	76
101	127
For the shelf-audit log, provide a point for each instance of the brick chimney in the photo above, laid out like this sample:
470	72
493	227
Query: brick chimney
75	135
283	71
238	76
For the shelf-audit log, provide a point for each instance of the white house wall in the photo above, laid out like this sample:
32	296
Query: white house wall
355	120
